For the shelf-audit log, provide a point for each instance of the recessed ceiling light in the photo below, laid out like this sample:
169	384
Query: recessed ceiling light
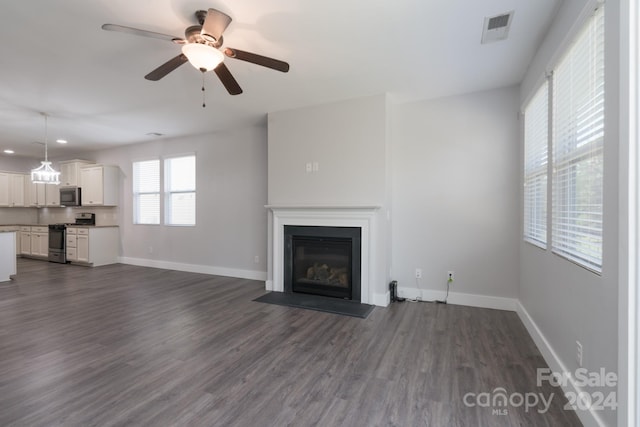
61	141
9	151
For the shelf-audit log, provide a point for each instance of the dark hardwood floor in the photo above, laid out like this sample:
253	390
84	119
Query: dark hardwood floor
124	345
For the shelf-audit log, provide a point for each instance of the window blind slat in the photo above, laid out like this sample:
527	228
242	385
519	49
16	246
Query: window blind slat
146	192
578	138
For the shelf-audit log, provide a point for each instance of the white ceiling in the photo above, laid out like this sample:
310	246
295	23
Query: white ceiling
56	59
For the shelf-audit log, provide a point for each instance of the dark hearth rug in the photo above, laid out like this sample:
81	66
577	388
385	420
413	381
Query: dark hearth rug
318	303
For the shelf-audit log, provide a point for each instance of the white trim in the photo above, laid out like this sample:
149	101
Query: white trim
458	298
381	300
196	268
588	418
629	227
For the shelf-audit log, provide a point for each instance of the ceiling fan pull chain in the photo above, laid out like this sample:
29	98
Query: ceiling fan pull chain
203	92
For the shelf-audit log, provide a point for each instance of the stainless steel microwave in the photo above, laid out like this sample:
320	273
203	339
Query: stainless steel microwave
70	196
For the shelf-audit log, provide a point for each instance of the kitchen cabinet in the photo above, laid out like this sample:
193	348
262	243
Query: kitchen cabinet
82	248
100	184
16	189
42	195
34	241
40	241
25	240
36	195
12	189
52	195
70	172
93	245
4	189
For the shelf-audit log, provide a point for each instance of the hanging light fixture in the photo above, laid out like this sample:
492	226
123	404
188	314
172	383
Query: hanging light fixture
45	174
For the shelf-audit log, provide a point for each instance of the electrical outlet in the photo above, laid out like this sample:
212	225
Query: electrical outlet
450	276
418	273
256	259
579	353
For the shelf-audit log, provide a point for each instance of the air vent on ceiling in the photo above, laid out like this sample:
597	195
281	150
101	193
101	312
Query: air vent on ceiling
496	27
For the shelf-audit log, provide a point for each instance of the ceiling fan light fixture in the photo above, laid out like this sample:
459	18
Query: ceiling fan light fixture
202	56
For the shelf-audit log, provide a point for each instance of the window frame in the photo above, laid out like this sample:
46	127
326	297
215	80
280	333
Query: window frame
168	192
536	169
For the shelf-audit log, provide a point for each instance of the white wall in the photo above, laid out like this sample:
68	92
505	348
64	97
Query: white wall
455	192
562	300
231	172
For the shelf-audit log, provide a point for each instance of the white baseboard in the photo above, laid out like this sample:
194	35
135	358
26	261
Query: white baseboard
589	418
196	268
458	298
381	300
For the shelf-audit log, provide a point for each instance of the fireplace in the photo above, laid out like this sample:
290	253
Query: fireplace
323	261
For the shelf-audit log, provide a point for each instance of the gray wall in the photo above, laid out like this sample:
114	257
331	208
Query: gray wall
347	139
231	194
455	192
567	302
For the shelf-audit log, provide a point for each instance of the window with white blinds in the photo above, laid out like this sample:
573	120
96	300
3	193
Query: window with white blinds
578	135
146	192
536	163
180	190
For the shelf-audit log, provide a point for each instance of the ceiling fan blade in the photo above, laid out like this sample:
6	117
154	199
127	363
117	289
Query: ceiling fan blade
254	58
214	25
166	68
227	79
143	33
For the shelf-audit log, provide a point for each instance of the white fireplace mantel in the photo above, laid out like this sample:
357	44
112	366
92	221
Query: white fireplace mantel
363	217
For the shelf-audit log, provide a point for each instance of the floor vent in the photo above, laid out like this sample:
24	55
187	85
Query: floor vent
496	27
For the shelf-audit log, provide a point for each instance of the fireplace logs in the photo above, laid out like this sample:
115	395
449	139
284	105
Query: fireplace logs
322	273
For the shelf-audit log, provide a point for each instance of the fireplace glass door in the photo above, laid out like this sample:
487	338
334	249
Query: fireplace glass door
322	266
323	261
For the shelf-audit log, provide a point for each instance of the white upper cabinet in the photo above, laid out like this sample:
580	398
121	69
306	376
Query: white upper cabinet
70	172
35	194
52	194
99	185
16	189
12	189
4	189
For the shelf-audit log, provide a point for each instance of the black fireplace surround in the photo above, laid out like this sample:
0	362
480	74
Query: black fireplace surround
323	261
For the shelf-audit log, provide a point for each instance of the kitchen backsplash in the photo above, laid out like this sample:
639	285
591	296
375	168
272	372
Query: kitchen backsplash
104	215
11	216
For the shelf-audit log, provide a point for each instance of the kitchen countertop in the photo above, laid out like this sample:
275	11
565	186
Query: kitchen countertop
46	225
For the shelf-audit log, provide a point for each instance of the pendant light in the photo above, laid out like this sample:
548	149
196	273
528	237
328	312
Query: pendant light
45	174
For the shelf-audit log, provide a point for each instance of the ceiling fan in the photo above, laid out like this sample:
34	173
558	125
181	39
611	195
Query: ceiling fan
201	47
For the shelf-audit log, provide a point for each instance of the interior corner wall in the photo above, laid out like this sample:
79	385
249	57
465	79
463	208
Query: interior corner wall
231	220
455	193
563	302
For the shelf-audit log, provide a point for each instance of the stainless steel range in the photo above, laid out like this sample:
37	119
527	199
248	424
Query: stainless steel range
57	240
